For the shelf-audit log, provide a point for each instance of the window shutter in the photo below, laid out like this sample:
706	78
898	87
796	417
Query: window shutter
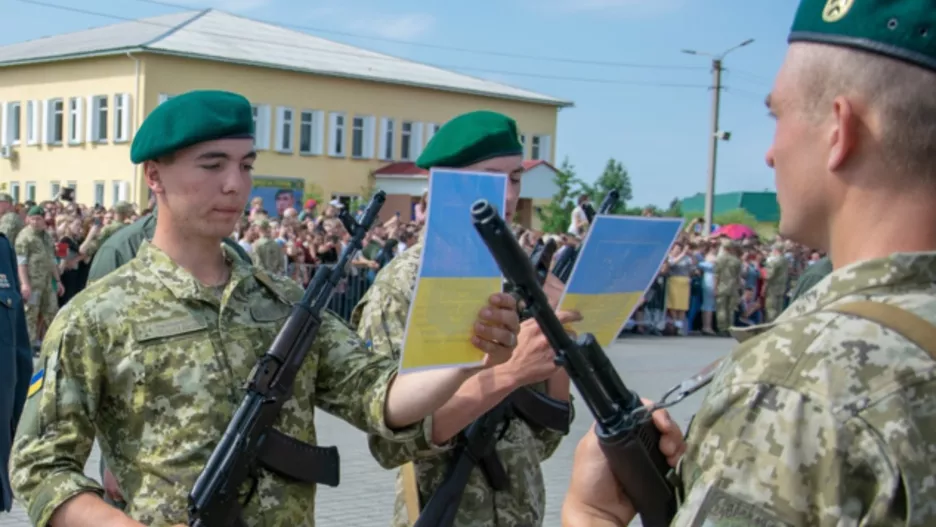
278	133
546	148
416	141
4	124
382	139
332	133
79	120
91	123
430	131
318	132
122	188
263	127
126	117
370	123
48	128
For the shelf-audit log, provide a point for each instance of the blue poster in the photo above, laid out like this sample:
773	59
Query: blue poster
278	194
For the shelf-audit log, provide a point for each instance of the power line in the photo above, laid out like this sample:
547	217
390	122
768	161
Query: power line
452	48
374	56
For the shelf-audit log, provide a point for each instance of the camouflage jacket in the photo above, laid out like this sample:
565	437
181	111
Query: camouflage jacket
268	255
152	363
778	275
821	418
728	274
34	248
380	318
11	224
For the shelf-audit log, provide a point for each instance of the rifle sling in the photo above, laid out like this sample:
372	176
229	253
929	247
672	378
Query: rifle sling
290	458
541	410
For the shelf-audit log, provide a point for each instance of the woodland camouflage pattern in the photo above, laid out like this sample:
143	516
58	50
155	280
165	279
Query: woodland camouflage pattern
152	363
380	319
11	224
820	418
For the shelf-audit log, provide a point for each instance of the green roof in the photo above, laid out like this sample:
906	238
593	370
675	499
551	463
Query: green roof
761	205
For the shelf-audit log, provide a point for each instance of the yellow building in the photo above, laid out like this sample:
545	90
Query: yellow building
326	112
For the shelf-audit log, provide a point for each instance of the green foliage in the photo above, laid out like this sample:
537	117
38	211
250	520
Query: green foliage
313	191
614	177
729	217
555	216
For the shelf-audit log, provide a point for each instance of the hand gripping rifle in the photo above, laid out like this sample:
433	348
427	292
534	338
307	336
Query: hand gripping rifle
565	263
250	441
625	430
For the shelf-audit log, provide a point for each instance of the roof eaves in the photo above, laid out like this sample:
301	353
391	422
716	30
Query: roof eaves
72	56
545	101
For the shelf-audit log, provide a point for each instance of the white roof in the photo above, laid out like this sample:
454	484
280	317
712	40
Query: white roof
216	35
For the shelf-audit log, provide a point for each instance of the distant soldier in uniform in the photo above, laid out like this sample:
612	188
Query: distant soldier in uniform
123	212
825	416
16	362
10	221
777	280
811	276
40	282
152	358
266	253
480	141
727	285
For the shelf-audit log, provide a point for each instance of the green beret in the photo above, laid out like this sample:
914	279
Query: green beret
189	119
900	29
471	138
35	210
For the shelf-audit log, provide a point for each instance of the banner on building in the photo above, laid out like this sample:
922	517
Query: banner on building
278	194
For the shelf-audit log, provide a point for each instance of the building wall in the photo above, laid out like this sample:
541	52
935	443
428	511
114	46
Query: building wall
325	172
80	163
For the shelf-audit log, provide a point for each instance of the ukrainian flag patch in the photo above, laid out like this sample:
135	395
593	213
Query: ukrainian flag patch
35	384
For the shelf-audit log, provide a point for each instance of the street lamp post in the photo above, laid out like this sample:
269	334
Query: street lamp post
717	62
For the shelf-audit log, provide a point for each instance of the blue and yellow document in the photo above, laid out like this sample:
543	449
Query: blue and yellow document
620	257
457	273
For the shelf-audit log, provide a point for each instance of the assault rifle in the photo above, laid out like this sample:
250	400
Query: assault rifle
250	441
625	429
565	263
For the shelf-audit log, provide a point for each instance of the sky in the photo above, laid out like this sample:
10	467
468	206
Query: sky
638	97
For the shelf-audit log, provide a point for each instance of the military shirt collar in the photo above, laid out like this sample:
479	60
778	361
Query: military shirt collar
182	283
901	269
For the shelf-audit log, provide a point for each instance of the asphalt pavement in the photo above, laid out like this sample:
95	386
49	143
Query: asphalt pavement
649	365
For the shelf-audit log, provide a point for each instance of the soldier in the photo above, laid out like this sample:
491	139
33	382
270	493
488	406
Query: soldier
10	221
152	357
824	417
40	282
16	362
123	211
266	253
481	141
727	285
777	277
810	277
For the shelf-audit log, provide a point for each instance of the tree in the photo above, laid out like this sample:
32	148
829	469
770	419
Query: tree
555	216
674	210
614	177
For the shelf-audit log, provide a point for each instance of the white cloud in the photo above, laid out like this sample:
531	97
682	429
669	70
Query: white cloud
404	26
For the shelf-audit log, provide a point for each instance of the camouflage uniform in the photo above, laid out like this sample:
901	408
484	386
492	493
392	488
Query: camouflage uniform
35	249
821	418
268	255
778	274
11	224
153	363
380	318
727	283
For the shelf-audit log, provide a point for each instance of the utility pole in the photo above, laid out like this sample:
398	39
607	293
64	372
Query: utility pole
716	133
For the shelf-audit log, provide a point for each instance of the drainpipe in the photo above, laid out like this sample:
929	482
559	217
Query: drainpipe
135	120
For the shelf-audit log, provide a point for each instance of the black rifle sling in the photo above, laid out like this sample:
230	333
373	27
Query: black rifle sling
291	458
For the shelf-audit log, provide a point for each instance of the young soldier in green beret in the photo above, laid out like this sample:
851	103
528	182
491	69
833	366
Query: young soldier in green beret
40	280
825	416
152	358
486	142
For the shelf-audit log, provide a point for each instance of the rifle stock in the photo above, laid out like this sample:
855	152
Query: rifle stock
625	430
250	441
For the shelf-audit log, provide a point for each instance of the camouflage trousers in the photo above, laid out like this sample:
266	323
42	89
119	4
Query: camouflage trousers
773	307
725	307
44	302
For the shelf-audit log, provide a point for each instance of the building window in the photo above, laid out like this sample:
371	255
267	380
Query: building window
122	113
535	152
386	138
406	140
99	193
311	132
15	192
431	129
30	191
55	187
261	119
357	137
74	119
115	187
284	130
32	122
74	186
337	137
56	125
540	147
97	124
12	122
346	199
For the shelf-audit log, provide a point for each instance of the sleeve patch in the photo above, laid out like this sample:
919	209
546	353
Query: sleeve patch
35	384
721	509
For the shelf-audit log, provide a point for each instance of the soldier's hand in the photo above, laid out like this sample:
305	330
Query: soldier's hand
594	493
496	328
534	359
26	292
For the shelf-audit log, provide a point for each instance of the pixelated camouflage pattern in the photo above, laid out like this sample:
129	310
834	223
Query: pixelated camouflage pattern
11	224
777	279
109	230
39	250
820	418
152	363
268	255
380	319
727	288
